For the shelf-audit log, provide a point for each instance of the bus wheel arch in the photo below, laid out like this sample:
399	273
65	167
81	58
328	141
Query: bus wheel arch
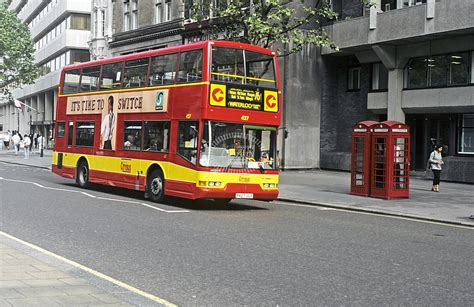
155	183
82	172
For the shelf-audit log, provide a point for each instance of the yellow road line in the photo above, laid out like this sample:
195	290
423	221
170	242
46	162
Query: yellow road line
93	272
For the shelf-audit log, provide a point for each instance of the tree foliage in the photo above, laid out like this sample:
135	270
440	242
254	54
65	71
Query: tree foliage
293	24
17	65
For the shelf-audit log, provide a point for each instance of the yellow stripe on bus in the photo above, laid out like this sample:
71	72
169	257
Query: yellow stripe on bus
170	170
134	89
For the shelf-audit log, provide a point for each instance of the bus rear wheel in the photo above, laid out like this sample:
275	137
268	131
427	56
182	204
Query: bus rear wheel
82	178
156	186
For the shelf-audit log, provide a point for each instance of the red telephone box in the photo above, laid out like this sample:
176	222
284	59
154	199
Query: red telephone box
360	159
390	160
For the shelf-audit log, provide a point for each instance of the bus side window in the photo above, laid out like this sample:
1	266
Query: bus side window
71	81
111	76
190	66
135	71
70	130
163	69
85	133
132	134
90	79
188	140
60	129
156	136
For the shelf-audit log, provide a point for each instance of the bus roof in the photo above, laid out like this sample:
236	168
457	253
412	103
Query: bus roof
172	49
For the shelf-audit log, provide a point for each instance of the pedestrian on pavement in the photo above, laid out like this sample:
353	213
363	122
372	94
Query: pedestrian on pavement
6	140
31	140
40	144
35	140
436	163
16	142
27	145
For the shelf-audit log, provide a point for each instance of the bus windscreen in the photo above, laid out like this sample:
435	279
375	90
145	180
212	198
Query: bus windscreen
243	67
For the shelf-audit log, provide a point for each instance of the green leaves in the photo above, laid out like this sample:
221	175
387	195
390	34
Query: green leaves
17	65
268	23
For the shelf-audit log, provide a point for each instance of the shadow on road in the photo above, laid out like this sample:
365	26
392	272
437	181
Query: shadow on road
198	205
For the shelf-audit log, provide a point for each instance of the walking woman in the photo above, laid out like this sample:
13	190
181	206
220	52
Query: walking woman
436	163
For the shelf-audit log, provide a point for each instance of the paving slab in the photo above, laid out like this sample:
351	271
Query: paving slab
42	280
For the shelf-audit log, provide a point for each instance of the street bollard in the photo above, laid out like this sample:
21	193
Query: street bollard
41	153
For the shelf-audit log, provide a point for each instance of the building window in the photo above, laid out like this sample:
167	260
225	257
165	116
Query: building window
158	12
102	15
167	10
85	134
80	22
353	80
157	136
417	72
379	77
459	68
127	21
79	56
132	135
438	71
466	134
134	14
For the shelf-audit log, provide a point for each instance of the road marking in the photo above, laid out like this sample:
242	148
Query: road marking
93	272
413	219
96	197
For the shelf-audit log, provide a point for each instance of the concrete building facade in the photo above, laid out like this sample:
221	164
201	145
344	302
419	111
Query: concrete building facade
410	61
60	30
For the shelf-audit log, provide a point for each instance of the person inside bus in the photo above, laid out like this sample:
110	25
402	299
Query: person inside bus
130	142
108	125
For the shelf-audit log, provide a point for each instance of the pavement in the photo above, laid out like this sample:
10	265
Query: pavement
29	278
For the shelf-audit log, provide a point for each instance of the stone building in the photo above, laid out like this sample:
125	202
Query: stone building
404	60
60	30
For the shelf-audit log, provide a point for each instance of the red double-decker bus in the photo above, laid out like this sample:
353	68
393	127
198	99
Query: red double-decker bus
193	121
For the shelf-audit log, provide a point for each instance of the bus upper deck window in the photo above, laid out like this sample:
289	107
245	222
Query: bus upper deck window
90	78
163	69
71	81
228	65
111	76
260	69
134	73
190	66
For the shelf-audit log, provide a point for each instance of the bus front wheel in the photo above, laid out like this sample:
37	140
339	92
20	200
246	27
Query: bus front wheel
156	186
82	177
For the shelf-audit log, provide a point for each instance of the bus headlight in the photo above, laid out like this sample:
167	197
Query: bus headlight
269	185
209	183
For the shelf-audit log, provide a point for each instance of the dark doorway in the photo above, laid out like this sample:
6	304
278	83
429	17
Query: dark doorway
427	131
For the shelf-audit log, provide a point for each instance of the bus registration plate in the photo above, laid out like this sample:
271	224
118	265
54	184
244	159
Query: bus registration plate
244	195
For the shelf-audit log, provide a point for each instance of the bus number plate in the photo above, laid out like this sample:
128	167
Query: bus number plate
244	195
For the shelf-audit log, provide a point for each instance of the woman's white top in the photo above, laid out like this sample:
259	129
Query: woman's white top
435	157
